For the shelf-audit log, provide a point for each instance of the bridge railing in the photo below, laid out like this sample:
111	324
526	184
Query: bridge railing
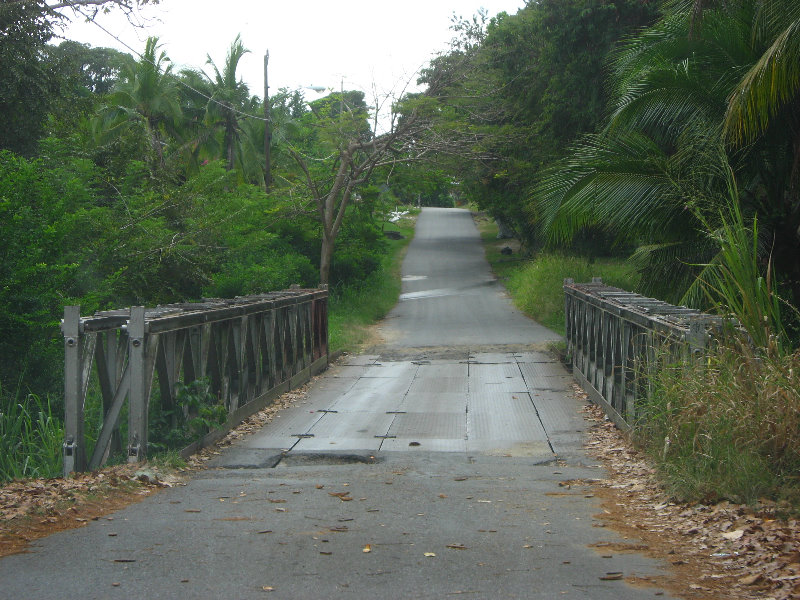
618	339
249	350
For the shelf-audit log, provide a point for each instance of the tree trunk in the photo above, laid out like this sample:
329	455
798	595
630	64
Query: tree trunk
325	256
229	145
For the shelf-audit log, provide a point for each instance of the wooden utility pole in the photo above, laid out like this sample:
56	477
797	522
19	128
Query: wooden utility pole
267	131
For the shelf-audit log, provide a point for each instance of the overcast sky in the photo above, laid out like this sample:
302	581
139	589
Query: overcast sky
310	42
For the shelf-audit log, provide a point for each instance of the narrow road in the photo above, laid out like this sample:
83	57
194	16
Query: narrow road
428	468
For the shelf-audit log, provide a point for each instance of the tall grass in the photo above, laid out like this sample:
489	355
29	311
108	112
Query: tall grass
537	286
30	438
726	426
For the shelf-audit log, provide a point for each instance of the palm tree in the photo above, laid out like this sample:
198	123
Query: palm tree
145	96
773	83
658	174
229	96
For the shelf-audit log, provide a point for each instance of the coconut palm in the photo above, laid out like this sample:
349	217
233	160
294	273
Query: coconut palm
146	96
229	96
658	174
772	84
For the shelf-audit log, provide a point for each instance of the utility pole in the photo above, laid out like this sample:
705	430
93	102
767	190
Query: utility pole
267	132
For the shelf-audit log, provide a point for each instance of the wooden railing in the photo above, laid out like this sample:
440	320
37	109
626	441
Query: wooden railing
249	350
618	339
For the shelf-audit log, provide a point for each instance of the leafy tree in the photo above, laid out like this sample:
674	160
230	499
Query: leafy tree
27	81
337	128
97	70
47	220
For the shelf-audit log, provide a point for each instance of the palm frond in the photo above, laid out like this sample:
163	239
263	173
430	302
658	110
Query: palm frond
770	84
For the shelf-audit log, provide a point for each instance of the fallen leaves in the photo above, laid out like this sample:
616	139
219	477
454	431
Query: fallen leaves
343	496
723	550
338	529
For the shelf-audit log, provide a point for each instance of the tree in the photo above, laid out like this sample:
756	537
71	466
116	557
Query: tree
145	96
28	83
229	95
96	70
346	151
690	91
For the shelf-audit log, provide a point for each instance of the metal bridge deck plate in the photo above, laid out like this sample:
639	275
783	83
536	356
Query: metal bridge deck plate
413	426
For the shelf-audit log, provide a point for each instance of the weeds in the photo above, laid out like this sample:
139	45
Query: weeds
537	286
30	438
196	412
726	426
736	283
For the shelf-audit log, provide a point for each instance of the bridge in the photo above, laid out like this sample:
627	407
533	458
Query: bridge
427	467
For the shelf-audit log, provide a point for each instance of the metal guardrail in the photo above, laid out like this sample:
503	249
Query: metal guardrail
617	338
251	349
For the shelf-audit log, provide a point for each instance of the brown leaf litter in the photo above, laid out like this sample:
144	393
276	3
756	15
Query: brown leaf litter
35	508
716	551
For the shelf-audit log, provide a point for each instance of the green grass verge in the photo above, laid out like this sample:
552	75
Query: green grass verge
536	284
352	310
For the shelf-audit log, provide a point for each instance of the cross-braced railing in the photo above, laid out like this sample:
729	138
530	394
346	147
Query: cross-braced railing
618	339
249	350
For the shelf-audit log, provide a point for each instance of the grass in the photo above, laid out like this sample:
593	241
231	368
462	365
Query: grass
30	438
536	284
352	310
727	427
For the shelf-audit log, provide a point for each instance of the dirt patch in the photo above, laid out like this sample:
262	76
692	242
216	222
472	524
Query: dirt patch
717	551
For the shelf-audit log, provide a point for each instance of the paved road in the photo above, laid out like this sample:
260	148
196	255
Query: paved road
428	468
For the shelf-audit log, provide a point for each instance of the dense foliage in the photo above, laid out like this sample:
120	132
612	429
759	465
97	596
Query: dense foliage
125	182
528	84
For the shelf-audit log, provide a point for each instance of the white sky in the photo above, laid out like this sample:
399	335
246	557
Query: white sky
310	42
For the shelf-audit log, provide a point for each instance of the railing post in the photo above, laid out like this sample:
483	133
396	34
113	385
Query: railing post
568	317
697	335
137	401
73	449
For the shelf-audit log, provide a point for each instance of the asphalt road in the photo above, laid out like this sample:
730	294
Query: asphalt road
428	468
